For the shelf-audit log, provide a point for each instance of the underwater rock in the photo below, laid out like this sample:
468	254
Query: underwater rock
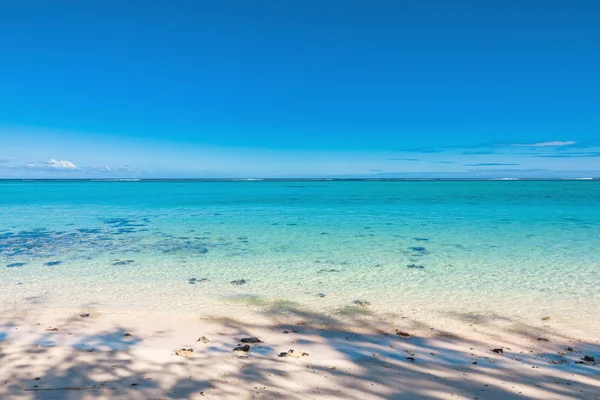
125	262
362	303
122	231
52	263
321	295
15	265
418	249
193	281
94	231
239	282
327	270
415	266
122	222
589	359
187	247
420	239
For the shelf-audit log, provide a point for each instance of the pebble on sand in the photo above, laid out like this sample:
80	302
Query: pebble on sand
185	352
251	340
293	353
245	348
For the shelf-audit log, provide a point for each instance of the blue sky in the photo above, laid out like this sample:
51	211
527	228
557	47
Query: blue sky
299	88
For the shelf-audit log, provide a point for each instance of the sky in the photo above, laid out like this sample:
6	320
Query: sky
206	89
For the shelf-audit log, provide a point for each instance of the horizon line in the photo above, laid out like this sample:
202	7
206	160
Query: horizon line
293	179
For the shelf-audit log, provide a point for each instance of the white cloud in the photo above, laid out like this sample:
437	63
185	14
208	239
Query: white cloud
555	143
101	168
60	164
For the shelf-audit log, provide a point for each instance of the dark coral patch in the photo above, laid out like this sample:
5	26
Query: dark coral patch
52	263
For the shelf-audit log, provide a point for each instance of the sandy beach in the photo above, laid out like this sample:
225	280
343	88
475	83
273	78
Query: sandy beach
90	354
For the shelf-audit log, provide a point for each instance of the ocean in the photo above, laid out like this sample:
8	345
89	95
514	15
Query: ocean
491	249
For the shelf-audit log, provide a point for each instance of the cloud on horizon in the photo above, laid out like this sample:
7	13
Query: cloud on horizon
555	143
52	167
59	164
490	165
491	147
582	154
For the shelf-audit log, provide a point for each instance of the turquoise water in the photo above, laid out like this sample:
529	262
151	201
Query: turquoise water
519	248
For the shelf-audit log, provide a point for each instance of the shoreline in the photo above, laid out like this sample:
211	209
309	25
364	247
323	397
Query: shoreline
123	355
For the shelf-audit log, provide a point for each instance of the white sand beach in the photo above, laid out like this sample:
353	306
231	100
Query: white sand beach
72	355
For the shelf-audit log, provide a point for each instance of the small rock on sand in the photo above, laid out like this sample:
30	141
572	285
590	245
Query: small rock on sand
185	352
251	340
52	330
498	351
245	348
546	319
589	359
293	353
203	339
403	334
239	282
362	303
84	315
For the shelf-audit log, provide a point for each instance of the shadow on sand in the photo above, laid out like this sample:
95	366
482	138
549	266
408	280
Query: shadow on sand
352	354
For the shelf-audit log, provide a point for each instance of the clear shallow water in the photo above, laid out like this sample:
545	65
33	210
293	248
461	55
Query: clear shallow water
517	248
